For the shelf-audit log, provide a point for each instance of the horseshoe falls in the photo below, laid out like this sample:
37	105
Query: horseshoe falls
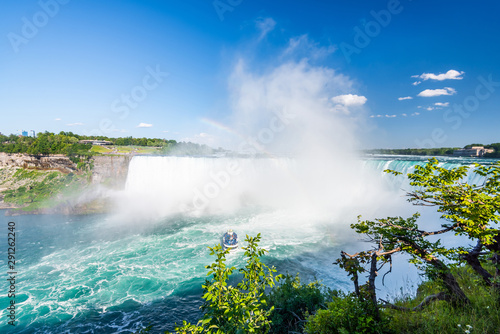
144	263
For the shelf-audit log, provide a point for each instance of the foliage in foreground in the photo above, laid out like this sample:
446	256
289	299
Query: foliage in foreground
295	307
470	210
235	309
480	316
293	302
346	314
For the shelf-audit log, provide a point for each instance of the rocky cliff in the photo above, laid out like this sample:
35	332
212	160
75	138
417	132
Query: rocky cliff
107	172
106	169
110	170
53	162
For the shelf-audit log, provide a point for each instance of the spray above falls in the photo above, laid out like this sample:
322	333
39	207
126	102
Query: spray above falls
298	140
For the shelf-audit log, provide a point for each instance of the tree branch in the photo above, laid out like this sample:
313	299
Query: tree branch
422	232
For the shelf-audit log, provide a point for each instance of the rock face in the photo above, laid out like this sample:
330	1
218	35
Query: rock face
107	169
111	170
56	162
108	172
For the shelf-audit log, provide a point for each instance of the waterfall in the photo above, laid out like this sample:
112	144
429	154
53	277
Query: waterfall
161	185
200	185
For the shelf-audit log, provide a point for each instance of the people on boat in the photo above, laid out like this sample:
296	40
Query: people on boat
230	238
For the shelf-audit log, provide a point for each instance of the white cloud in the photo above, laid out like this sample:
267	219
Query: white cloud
378	116
57	119
265	25
75	124
415	114
349	100
144	125
346	101
304	47
405	98
165	131
416	83
404	115
442	104
450	75
437	92
429	108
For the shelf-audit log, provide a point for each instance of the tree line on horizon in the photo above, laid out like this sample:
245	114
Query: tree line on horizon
69	144
439	151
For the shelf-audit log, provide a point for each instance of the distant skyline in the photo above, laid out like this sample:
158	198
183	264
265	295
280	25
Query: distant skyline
402	74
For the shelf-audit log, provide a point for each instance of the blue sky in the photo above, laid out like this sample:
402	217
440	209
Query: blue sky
181	69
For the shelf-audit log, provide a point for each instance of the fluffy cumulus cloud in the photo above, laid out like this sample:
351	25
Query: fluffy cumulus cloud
450	75
75	124
57	119
405	98
437	92
343	103
442	104
144	125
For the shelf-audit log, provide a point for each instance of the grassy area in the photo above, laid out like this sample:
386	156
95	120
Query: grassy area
482	316
124	149
101	149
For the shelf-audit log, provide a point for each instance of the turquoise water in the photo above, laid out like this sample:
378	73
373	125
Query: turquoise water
89	274
118	273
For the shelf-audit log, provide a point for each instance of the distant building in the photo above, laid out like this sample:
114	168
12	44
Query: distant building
24	133
474	151
32	133
96	142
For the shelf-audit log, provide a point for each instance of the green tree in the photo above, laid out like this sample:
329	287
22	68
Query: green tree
468	209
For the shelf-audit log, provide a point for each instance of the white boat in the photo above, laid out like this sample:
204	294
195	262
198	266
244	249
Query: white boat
230	240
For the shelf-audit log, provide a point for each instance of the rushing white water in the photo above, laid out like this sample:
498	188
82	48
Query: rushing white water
162	186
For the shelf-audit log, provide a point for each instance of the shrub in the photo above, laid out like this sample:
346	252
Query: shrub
240	309
345	314
293	302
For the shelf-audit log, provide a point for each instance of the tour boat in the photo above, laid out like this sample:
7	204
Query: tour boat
230	240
